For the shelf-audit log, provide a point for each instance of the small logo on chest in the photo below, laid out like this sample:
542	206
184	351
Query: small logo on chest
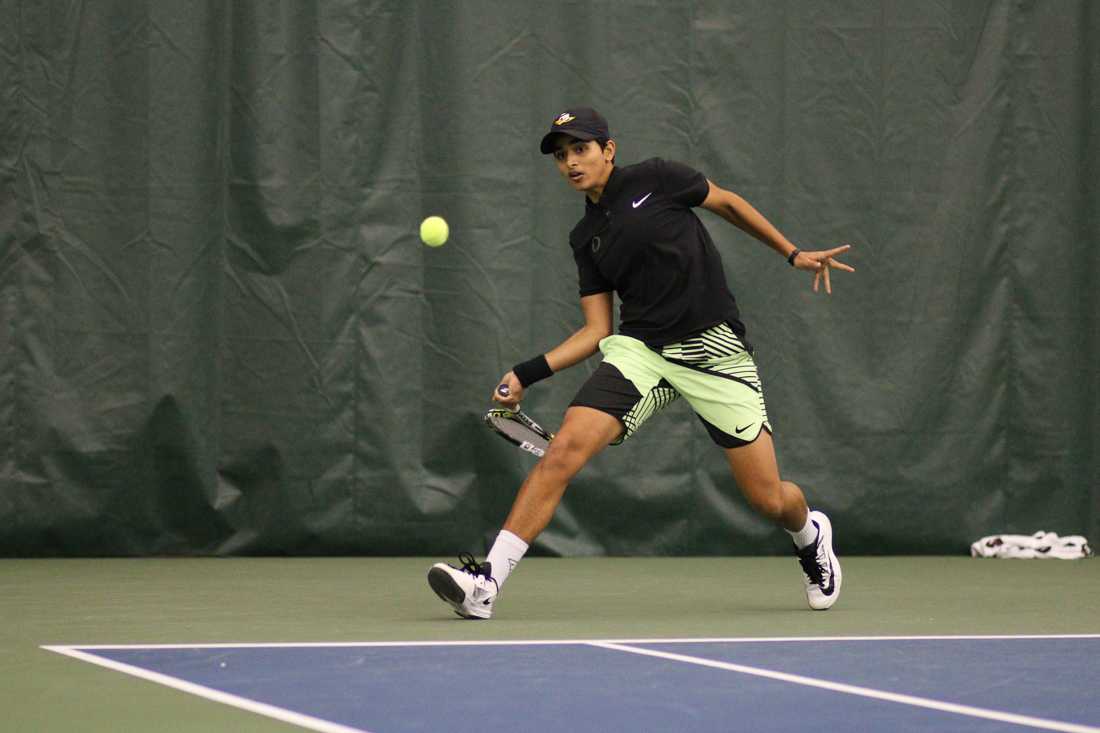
641	201
595	244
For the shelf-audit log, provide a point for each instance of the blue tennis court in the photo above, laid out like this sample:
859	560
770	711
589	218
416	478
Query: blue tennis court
959	683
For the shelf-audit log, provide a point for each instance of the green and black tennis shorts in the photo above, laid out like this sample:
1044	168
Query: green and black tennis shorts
713	371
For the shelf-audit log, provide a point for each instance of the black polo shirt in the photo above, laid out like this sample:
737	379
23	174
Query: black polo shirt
643	241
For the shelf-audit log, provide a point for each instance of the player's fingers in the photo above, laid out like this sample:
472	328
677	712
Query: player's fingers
837	265
817	277
837	250
828	286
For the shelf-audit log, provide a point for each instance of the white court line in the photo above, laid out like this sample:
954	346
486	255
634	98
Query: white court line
79	652
270	711
551	642
922	702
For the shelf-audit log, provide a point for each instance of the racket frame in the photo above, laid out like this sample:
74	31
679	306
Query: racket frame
516	415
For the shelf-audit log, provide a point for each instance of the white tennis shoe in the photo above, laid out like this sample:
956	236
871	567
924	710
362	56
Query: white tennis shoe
469	590
820	568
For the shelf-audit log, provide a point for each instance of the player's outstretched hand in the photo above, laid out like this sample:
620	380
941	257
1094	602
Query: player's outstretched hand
508	391
820	262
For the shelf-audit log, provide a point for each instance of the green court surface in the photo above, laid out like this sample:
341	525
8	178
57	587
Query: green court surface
161	601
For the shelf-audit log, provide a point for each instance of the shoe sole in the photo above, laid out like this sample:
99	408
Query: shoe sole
448	591
823	521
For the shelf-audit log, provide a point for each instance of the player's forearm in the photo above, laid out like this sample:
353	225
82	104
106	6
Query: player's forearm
742	215
575	349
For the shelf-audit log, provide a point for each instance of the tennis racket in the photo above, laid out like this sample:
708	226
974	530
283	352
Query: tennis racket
518	428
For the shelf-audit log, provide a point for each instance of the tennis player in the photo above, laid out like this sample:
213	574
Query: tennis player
680	335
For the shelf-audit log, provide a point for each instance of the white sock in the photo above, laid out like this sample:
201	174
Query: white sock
508	550
805	536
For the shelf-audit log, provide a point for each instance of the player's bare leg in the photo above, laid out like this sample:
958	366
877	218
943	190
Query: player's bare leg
757	475
472	589
584	433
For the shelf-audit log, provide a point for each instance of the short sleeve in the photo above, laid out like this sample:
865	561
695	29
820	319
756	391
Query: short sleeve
588	276
682	183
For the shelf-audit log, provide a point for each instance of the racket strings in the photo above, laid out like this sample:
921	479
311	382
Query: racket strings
514	429
519	429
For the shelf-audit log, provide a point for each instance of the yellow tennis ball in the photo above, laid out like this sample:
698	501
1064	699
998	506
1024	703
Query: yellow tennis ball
434	231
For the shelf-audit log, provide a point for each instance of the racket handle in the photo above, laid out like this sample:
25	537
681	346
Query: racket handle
504	391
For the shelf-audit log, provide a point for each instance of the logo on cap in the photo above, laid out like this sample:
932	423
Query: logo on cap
563	118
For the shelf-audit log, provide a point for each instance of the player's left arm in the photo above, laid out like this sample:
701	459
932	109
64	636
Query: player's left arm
741	214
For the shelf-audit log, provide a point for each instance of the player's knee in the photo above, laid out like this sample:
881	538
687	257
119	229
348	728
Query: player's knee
564	457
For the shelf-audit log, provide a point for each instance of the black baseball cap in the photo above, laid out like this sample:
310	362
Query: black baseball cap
583	123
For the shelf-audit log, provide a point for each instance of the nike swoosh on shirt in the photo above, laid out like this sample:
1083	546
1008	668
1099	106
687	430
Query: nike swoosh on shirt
641	201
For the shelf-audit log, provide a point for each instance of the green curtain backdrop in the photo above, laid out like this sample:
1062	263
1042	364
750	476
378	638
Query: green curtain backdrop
219	332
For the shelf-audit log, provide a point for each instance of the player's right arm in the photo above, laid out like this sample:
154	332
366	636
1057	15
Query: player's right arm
586	341
582	344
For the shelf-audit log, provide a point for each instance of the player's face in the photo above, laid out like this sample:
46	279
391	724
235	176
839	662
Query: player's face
583	163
